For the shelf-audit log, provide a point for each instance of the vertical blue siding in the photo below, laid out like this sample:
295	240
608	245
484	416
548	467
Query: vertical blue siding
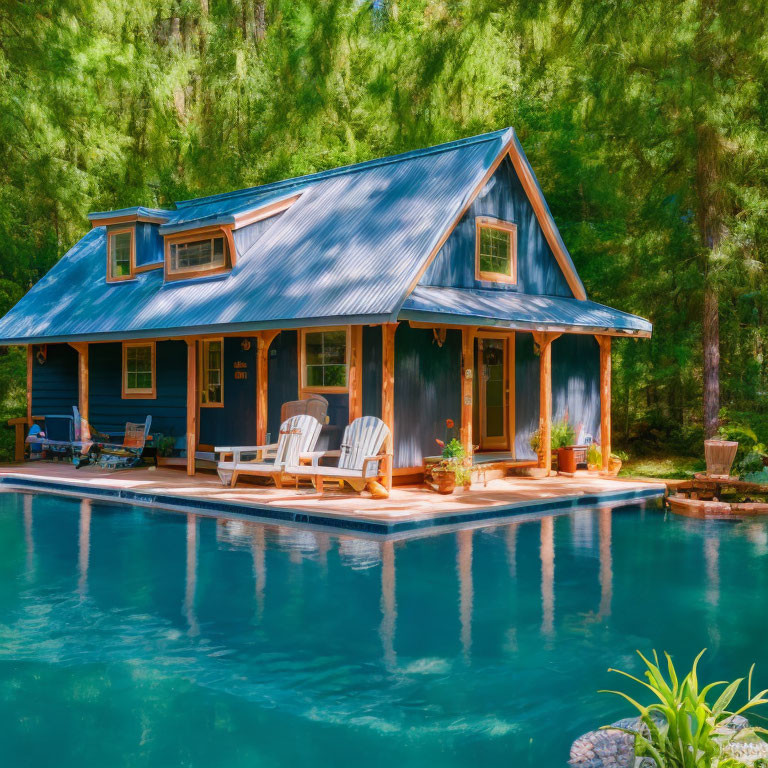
576	381
54	384
427	391
575	386
235	423
503	197
283	380
372	366
108	410
338	418
149	244
526	394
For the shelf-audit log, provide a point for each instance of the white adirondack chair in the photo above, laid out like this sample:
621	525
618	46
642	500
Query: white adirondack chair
361	457
298	436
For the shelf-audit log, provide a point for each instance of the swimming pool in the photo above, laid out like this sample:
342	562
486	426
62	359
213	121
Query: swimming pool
135	637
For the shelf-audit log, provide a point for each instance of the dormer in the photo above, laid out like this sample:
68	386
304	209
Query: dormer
134	244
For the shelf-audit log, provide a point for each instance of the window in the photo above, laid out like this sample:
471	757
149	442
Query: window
193	255
496	250
212	364
325	360
120	255
139	370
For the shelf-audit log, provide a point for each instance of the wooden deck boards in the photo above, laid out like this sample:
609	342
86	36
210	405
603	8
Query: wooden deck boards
407	504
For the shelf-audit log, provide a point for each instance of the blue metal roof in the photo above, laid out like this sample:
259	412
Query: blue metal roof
348	250
507	309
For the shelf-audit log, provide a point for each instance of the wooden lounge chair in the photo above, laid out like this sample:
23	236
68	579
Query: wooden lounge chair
361	456
298	435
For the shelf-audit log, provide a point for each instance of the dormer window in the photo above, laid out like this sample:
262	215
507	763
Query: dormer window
495	250
121	254
199	253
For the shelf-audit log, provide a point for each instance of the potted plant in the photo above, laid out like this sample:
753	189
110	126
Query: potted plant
594	457
535	443
452	469
563	435
615	461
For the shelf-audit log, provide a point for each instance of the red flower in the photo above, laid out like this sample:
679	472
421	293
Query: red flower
449	423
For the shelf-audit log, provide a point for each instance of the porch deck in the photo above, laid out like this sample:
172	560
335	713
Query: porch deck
408	511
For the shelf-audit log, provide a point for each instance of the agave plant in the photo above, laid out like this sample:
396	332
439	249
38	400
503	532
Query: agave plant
690	733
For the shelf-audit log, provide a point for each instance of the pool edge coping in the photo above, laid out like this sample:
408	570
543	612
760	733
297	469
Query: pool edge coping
340	522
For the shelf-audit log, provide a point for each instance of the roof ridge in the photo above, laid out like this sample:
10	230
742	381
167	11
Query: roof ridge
343	169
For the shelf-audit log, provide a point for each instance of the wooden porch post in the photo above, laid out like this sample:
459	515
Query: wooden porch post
30	361
388	392
605	398
544	342
263	342
82	377
356	372
467	380
191	404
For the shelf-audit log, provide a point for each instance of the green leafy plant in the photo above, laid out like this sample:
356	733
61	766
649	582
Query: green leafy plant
690	732
562	434
620	455
165	445
454	450
535	440
751	463
594	455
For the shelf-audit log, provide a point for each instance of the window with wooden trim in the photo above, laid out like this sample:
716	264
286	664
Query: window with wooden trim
120	254
212	373
325	354
495	250
198	254
139	369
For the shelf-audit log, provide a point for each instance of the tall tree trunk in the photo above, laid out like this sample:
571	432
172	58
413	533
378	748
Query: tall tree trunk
711	344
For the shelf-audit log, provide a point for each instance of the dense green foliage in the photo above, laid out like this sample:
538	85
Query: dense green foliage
644	121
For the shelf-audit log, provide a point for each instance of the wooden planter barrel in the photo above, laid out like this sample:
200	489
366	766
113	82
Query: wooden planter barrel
720	455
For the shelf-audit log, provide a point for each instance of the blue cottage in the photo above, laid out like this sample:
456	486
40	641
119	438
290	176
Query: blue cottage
424	288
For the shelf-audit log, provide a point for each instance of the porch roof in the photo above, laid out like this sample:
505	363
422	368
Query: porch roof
509	309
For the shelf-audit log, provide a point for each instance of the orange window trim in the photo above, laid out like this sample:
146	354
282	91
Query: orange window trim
201	372
200	234
139	394
110	234
303	387
488	222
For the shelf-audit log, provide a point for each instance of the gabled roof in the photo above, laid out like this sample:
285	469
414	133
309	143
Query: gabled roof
350	249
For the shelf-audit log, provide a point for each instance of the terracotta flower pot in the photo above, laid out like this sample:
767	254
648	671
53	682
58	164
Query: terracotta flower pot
614	465
720	455
444	481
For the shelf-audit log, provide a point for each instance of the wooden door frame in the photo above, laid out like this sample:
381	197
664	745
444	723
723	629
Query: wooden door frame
508	338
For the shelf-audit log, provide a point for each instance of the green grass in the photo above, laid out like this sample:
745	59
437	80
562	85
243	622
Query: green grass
663	467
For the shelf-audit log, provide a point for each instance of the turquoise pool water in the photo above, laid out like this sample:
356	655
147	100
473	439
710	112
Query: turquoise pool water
133	637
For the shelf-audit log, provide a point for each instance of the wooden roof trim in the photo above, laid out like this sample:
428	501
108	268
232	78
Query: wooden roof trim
264	212
131	218
546	222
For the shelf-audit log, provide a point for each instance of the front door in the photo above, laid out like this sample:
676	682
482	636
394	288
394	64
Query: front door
492	358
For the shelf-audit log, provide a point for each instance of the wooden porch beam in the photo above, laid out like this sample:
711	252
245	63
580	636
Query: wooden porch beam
605	398
264	340
30	361
355	372
81	347
544	343
467	380
191	404
388	393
